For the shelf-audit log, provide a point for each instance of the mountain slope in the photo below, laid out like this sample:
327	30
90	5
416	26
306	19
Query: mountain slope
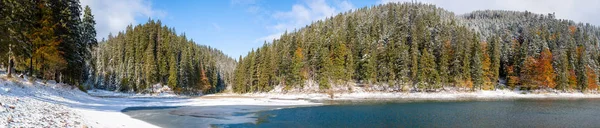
150	54
415	46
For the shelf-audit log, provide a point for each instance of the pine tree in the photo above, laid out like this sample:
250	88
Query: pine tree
173	74
325	69
67	13
338	55
444	58
582	78
151	67
46	55
88	39
414	55
428	76
477	67
265	69
297	65
528	73
495	55
466	62
563	72
163	53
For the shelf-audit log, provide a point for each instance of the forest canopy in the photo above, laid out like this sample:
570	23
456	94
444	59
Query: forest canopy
152	54
425	48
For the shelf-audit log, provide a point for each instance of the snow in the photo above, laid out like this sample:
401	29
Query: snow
443	95
50	104
38	104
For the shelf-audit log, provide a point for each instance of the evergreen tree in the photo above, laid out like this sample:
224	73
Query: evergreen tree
477	65
563	72
466	62
173	74
88	39
495	56
444	58
582	78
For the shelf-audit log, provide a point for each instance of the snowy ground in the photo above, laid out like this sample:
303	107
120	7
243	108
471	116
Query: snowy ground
37	104
498	94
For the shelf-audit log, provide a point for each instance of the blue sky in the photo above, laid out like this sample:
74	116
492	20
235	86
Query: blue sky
237	26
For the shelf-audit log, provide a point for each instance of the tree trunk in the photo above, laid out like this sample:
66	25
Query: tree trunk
60	78
31	66
10	66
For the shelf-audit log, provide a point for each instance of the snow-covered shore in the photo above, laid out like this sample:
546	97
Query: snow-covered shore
447	95
38	104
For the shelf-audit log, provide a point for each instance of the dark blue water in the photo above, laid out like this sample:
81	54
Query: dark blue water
508	113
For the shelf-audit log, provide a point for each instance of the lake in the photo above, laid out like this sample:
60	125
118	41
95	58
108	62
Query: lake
471	113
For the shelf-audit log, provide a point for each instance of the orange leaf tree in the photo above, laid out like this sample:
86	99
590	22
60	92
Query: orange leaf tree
592	82
545	71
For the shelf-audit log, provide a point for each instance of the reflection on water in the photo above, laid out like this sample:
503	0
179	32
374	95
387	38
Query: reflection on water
197	116
499	113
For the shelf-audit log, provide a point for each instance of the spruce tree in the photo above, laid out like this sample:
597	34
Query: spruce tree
582	78
476	67
88	39
563	72
495	55
173	74
445	58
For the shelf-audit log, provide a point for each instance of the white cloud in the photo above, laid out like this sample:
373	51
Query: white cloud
576	10
303	14
269	38
113	16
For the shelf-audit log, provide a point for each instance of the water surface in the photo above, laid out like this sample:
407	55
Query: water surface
497	113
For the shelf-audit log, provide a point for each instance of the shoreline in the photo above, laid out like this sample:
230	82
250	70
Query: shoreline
476	95
99	108
220	108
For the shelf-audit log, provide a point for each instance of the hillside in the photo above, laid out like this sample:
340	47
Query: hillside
152	54
420	47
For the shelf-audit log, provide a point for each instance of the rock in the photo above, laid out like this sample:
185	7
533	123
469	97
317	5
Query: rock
11	107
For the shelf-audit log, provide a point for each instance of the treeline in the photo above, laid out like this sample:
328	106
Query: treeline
151	54
47	39
539	51
425	48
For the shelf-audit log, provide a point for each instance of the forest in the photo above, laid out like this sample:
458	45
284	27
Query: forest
401	46
420	47
152	54
52	40
47	39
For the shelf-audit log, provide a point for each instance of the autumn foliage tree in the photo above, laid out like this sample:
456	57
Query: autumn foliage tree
486	65
45	54
426	48
545	72
592	81
539	73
